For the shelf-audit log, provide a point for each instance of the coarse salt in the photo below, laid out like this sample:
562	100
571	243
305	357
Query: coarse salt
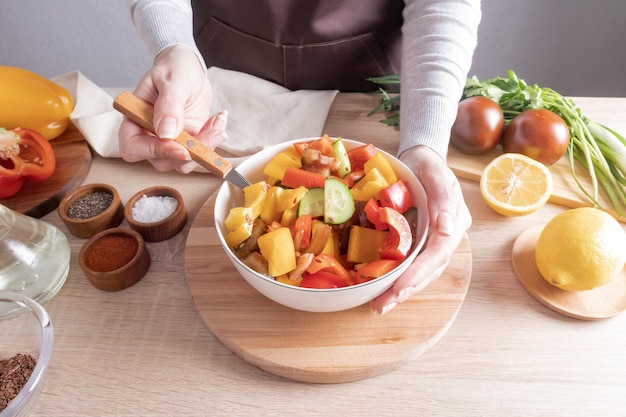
154	208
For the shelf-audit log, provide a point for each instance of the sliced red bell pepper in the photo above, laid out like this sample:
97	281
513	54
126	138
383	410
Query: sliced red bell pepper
322	280
375	269
24	154
400	238
295	178
397	196
372	213
360	155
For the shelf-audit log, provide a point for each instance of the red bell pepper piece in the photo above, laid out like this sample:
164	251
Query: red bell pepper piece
24	154
372	213
360	155
397	196
321	280
400	238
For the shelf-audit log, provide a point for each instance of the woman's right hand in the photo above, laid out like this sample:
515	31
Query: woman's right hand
178	88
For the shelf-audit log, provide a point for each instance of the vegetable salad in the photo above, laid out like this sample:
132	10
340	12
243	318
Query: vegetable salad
324	217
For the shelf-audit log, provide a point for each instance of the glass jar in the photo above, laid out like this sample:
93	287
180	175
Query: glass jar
34	256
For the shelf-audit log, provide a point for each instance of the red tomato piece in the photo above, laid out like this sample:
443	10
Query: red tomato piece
375	269
328	263
397	196
295	178
360	155
400	238
322	280
371	210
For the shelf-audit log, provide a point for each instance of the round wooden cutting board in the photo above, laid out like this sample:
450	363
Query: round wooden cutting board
73	160
316	347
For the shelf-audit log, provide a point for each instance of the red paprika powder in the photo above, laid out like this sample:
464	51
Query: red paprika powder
111	252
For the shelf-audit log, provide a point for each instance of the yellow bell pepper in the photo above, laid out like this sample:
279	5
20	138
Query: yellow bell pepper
277	248
290	197
369	186
254	197
269	212
364	243
238	224
380	162
277	166
289	216
31	101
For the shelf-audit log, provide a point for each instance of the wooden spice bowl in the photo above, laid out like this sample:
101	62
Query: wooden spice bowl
114	259
155	231
85	228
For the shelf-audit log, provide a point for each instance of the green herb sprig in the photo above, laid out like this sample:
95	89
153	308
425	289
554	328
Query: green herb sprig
390	99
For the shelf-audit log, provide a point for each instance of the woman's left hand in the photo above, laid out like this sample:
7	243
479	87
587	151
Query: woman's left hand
449	221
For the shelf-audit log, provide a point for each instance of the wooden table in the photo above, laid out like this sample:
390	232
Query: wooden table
145	351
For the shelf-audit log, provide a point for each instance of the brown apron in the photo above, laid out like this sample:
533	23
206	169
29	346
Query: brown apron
307	44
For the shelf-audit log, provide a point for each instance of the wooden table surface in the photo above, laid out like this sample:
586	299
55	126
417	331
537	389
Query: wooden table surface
145	351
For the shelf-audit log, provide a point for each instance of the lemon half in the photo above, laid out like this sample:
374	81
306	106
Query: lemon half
515	185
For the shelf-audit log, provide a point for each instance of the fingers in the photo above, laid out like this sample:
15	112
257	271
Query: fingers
449	220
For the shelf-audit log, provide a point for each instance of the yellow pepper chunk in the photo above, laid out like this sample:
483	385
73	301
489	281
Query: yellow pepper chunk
289	216
254	197
277	248
290	198
269	212
369	186
238	225
364	243
380	162
277	166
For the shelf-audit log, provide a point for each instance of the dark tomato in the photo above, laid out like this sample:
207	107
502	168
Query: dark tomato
478	126
539	134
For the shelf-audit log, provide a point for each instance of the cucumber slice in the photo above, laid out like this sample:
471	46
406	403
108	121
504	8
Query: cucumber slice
312	203
338	202
341	155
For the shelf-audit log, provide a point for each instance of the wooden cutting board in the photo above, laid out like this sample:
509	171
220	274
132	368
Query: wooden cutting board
316	347
566	192
73	160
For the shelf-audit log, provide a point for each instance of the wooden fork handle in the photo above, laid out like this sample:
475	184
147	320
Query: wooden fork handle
142	113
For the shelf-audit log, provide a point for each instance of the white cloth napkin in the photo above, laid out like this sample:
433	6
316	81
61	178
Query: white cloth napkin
261	113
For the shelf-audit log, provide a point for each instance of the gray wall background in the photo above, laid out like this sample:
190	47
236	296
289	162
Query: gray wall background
574	46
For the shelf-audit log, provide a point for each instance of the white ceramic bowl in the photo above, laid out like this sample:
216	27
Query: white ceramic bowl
308	299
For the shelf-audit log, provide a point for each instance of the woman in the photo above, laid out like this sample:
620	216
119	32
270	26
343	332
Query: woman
317	44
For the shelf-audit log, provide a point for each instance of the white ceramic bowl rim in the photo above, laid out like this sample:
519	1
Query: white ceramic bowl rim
417	247
25	305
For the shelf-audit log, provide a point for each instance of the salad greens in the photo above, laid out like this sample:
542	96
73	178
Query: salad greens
597	148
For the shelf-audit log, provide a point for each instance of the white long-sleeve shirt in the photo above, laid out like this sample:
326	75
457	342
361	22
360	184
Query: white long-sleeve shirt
439	37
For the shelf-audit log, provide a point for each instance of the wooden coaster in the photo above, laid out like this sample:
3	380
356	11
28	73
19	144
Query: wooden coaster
316	347
603	302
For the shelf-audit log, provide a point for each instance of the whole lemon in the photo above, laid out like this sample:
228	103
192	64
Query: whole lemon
581	249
